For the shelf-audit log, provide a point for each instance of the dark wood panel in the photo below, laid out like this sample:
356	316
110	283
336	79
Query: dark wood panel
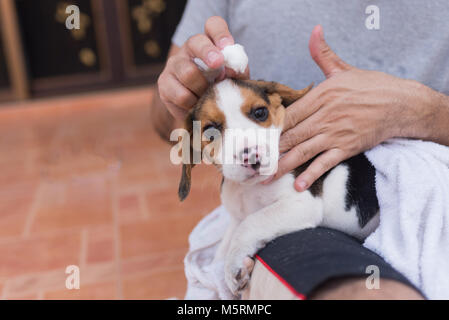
147	27
153	23
51	49
121	42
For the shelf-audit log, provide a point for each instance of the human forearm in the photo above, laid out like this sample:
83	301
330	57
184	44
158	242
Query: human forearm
352	111
427	115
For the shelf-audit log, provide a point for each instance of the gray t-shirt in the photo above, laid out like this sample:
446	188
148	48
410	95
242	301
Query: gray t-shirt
412	40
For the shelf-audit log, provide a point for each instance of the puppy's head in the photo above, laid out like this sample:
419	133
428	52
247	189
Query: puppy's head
240	122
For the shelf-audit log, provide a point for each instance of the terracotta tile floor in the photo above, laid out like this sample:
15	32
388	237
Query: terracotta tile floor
86	182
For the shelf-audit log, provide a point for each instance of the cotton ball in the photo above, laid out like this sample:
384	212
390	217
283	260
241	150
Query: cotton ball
235	58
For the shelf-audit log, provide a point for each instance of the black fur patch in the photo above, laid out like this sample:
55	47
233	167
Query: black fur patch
317	187
361	188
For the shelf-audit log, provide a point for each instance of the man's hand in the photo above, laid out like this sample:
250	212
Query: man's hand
181	83
351	111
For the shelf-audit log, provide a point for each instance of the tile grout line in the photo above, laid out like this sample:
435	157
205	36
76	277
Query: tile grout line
53	273
156	272
117	247
33	211
143	204
84	248
4	291
50	233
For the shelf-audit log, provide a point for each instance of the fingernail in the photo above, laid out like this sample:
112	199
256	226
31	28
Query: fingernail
268	180
213	56
224	42
321	33
302	185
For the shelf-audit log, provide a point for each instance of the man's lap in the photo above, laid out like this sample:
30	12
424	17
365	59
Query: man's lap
318	263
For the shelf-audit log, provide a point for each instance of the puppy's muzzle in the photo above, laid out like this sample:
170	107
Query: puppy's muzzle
250	158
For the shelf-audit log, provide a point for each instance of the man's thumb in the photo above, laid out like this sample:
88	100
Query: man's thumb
323	55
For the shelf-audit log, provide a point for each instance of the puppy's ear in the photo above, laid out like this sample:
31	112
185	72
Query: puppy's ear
185	183
288	95
186	176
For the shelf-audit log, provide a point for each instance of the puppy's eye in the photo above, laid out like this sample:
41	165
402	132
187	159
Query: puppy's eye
212	125
210	130
259	114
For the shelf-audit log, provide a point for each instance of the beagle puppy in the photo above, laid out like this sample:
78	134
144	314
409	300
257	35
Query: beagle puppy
343	199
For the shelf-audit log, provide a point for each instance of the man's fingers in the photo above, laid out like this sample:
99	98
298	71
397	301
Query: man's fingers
174	92
237	75
318	167
300	155
177	112
217	30
188	74
323	55
200	46
303	131
303	108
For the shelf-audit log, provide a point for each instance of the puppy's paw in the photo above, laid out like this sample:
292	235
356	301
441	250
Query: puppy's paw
238	272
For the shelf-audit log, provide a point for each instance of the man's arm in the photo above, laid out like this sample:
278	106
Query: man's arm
428	118
352	111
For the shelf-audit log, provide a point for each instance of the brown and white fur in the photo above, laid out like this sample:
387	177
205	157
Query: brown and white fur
343	199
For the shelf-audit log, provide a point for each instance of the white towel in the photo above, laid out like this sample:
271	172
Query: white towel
205	278
412	181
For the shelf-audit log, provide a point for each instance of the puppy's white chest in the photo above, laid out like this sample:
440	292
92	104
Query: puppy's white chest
242	200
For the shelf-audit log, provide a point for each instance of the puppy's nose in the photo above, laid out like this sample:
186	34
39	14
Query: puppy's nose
256	165
250	158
